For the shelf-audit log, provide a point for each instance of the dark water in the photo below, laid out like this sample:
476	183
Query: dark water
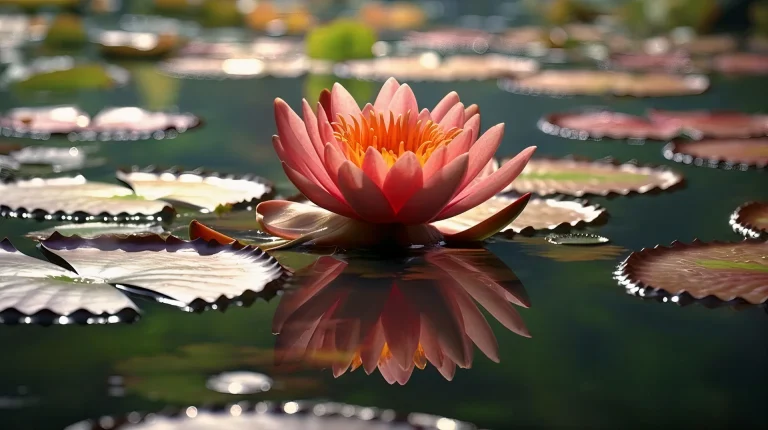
597	357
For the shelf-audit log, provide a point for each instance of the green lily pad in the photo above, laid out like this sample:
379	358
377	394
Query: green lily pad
726	272
577	239
94	229
126	44
540	247
63	74
751	220
578	177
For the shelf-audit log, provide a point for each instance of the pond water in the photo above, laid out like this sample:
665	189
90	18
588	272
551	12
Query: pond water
596	357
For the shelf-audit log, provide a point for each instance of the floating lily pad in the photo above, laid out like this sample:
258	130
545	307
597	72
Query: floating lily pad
204	190
94	229
577	239
241	382
538	246
727	272
189	274
600	124
712	124
36	291
740	154
450	40
76	199
674	62
597	83
234	68
37	160
118	123
128	44
430	66
741	64
578	177
539	214
287	416
63	74
751	220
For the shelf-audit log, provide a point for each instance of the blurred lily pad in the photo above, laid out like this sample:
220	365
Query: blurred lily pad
597	83
126	44
539	214
740	154
578	177
605	124
40	160
198	188
36	291
720	271
63	74
751	220
234	68
66	31
579	239
93	229
539	247
742	64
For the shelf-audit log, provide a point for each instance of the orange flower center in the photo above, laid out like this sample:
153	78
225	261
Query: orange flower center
391	138
419	358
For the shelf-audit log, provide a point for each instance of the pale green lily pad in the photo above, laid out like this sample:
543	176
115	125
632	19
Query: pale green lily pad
579	177
29	285
93	229
577	239
63	74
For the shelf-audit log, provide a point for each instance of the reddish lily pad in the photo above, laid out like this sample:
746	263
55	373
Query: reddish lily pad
198	188
578	177
538	215
450	40
751	220
605	124
742	64
740	154
234	68
430	66
727	272
598	83
712	124
653	62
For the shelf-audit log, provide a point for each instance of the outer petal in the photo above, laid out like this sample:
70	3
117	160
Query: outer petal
333	161
476	326
310	120
473	123
386	93
403	180
488	187
326	130
471	111
342	102
442	108
325	102
372	348
363	195
198	230
318	195
401	327
437	191
374	166
454	118
482	151
404	101
487	227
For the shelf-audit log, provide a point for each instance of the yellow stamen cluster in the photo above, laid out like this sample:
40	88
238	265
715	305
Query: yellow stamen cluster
419	358
391	138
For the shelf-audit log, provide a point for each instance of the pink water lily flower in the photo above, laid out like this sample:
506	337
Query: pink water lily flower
385	172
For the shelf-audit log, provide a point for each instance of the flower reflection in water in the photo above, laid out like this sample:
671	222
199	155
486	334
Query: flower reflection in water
398	314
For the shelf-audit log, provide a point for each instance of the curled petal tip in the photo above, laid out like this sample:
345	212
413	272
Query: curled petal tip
198	230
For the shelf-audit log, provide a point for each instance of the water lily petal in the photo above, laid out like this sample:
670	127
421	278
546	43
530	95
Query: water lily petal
310	120
385	95
325	101
333	161
291	220
424	116
403	180
454	118
404	101
428	342
473	123
489	226
374	166
436	193
318	195
488	187
445	105
342	103
436	162
363	195
367	109
326	130
471	111
401	327
460	144
492	297
476	326
482	151
372	348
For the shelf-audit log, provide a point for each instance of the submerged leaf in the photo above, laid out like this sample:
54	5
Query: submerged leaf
29	286
729	272
579	177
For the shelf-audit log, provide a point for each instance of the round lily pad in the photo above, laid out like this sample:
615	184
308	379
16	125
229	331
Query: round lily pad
430	66
539	214
576	239
605	124
234	68
712	124
751	220
197	188
63	74
128	44
578	177
540	247
193	275
36	291
118	123
740	154
241	382
94	229
598	83
727	272
741	64
450	40
43	159
674	62
76	199
288	416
